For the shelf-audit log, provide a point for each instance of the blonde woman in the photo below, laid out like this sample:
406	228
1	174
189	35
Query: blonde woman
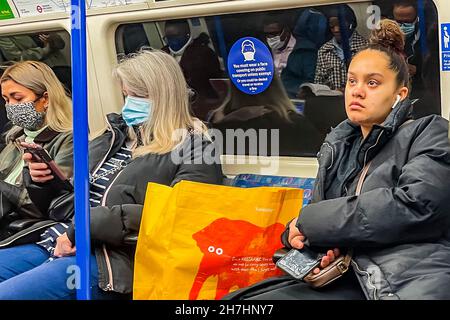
143	144
269	110
40	112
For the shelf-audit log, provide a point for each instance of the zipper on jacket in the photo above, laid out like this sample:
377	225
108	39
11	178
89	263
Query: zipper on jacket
364	164
369	279
110	285
367	151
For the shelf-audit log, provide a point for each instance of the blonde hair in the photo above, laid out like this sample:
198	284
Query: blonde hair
157	76
274	98
40	78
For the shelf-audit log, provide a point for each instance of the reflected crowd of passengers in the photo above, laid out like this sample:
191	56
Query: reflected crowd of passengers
311	50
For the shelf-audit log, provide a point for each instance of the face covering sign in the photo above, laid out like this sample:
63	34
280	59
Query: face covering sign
250	65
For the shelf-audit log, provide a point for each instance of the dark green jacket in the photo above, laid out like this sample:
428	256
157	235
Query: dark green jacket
59	146
15	198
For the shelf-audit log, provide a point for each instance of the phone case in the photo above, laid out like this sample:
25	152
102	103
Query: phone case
299	263
40	154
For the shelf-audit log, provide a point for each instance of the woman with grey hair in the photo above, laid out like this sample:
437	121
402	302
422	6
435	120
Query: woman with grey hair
136	148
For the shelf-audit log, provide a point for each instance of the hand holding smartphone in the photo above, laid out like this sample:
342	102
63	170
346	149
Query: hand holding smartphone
41	155
299	263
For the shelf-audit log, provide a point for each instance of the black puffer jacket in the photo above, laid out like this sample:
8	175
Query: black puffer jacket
399	225
119	216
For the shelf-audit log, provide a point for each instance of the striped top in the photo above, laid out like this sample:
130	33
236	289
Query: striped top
99	183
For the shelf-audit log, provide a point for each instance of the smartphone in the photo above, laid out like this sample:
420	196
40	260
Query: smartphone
41	155
299	263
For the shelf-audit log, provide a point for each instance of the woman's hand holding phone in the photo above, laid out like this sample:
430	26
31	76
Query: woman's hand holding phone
326	260
39	171
296	240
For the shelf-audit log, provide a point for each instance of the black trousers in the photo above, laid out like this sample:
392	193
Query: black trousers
286	288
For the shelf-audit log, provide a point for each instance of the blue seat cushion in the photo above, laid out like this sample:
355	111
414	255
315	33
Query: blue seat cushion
256	180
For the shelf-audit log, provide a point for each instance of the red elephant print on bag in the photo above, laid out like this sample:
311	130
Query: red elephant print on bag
237	252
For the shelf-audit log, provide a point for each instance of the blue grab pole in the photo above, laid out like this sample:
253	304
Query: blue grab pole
422	27
80	148
345	35
221	40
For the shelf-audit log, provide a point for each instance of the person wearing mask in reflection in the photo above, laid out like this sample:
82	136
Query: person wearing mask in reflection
405	13
40	112
331	67
198	62
138	147
295	57
280	40
270	110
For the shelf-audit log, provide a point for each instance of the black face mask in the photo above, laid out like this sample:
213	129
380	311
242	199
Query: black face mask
176	43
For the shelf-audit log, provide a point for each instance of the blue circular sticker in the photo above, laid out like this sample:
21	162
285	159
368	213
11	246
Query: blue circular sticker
250	65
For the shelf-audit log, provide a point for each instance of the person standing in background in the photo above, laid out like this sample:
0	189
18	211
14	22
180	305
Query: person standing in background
331	67
198	62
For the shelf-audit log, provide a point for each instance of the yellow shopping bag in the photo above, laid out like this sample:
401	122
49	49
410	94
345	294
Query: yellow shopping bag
202	241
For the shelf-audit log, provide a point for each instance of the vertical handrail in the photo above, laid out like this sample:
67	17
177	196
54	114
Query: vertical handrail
80	147
422	27
221	40
345	35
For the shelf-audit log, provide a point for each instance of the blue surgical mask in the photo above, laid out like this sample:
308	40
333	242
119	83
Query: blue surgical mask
177	43
408	28
136	110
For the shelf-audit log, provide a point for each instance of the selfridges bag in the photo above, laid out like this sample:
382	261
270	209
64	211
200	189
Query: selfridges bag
202	241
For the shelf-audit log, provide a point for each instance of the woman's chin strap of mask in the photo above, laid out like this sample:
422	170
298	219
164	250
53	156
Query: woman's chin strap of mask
181	50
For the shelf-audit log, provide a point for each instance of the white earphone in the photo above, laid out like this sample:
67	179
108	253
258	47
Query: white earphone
396	101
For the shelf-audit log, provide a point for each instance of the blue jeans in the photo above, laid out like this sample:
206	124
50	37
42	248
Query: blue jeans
27	274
